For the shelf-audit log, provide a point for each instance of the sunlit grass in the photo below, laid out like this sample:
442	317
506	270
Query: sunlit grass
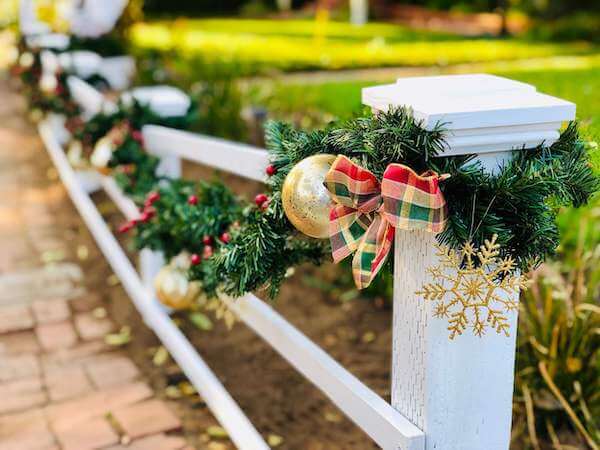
306	29
300	49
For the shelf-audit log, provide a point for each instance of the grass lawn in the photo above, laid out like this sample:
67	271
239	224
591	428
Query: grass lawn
265	45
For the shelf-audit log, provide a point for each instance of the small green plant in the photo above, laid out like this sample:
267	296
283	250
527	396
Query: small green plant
558	369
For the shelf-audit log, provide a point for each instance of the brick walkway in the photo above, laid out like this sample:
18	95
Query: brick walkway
61	386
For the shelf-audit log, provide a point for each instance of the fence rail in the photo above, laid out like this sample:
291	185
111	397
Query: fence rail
378	419
225	409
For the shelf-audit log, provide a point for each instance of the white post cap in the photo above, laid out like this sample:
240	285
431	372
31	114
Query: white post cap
482	113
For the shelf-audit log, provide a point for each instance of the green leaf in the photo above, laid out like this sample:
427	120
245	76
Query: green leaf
201	321
217	432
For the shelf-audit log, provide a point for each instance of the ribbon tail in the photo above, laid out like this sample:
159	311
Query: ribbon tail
346	228
372	252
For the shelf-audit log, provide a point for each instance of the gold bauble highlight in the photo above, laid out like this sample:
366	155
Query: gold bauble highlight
174	289
305	199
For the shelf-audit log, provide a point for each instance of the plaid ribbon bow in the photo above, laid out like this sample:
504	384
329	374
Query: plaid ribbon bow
366	212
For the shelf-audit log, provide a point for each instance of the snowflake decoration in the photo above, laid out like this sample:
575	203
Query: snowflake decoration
468	286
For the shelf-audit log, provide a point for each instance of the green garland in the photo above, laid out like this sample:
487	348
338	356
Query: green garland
30	74
134	169
518	203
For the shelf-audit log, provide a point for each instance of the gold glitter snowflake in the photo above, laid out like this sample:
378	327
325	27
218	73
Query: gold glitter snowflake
468	288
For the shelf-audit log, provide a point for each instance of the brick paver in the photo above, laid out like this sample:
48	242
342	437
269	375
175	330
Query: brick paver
111	371
19	343
154	442
90	327
95	433
12	367
15	318
26	431
18	395
48	311
65	383
54	336
145	418
61	386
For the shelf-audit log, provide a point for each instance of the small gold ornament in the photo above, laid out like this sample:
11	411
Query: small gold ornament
466	292
102	154
306	201
173	288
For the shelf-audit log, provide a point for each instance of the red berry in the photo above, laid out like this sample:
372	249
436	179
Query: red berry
195	259
124	228
225	237
271	170
207	240
137	136
192	200
207	252
128	169
260	199
152	198
149	212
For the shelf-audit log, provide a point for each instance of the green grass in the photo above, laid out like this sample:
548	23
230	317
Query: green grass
301	45
307	29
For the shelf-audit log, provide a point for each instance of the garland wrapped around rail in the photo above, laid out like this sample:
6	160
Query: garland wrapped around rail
518	204
235	246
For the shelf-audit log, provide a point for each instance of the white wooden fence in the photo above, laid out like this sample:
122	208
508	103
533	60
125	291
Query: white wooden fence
383	423
446	395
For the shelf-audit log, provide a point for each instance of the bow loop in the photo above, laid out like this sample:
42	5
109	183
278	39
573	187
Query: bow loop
352	186
411	201
366	213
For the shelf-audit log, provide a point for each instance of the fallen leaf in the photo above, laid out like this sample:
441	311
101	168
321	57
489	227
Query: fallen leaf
218	432
160	356
274	440
172	392
187	388
201	321
52	256
82	252
216	446
123	337
99	313
369	336
332	417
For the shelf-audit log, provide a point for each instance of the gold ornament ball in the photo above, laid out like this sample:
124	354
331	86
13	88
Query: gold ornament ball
174	289
306	201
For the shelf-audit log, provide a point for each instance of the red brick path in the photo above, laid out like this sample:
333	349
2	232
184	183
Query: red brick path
61	386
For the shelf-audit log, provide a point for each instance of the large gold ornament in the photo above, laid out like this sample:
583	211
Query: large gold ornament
479	295
173	288
306	201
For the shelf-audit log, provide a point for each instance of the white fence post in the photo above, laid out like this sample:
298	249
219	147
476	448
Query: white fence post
459	392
